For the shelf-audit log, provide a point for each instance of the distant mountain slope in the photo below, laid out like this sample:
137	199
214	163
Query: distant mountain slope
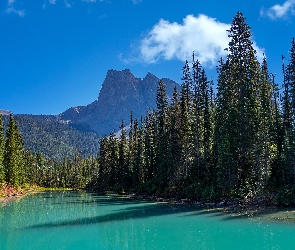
45	133
120	94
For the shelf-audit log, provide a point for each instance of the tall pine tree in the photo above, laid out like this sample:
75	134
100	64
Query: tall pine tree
2	173
238	113
161	133
13	155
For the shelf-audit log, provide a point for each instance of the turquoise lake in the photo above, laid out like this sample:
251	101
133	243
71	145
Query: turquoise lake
77	220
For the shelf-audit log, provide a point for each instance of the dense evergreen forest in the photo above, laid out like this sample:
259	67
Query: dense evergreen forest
45	133
237	142
20	167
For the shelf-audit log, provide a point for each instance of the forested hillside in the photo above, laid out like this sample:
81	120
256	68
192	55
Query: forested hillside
54	139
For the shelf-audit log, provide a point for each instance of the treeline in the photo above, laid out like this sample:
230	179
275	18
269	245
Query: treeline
20	167
237	143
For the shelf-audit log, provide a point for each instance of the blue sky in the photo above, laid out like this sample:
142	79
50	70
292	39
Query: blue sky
54	54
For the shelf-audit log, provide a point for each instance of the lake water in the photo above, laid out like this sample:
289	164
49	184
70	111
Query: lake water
76	220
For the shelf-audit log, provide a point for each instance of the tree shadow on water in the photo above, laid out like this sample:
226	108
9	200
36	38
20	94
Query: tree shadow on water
139	211
99	202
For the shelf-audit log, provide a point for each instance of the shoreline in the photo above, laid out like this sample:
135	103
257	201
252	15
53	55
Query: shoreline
8	193
235	209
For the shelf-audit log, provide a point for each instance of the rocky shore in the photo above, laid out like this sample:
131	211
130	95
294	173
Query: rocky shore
8	193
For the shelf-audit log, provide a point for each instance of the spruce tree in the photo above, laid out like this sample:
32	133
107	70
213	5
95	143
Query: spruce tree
136	155
150	147
288	109
113	164
267	147
140	153
291	77
161	133
238	113
123	161
199	82
13	155
174	143
186	121
202	125
2	173
137	161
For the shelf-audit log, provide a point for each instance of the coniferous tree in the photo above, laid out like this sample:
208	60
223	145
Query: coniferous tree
238	113
291	78
277	131
30	168
267	147
287	125
123	161
104	172
174	134
161	134
198	122
140	156
138	153
288	109
203	106
13	155
135	154
113	164
150	149
2	173
186	121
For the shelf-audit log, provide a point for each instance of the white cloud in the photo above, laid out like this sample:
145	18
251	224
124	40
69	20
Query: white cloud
204	35
10	10
279	11
94	1
53	2
10	2
136	1
68	5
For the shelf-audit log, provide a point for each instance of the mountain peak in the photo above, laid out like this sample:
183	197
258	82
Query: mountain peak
113	72
121	93
151	76
5	112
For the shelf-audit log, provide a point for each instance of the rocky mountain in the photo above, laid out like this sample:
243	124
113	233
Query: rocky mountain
5	112
120	94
